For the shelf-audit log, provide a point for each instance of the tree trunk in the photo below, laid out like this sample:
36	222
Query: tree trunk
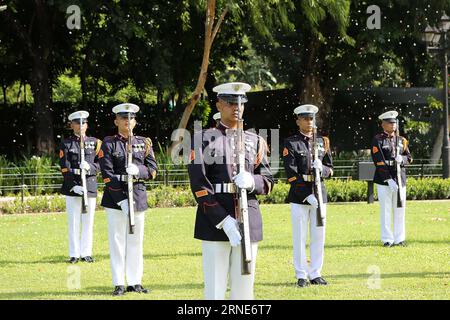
19	92
311	91
210	34
40	86
38	44
4	87
84	73
180	96
83	83
24	92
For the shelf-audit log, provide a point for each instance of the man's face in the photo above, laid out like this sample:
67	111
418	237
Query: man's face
122	123
78	129
305	124
389	127
229	112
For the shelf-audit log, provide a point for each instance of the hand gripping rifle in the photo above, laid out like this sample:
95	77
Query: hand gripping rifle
242	205
130	177
84	199
317	183
398	169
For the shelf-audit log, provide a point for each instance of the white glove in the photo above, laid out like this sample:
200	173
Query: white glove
124	206
84	165
399	159
230	227
133	170
312	200
393	185
77	190
245	180
317	164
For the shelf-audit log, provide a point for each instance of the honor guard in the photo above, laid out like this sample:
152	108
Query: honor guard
390	153
215	179
299	165
78	158
124	180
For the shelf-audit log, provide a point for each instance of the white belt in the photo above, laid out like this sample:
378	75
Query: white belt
76	171
122	177
308	177
225	188
390	162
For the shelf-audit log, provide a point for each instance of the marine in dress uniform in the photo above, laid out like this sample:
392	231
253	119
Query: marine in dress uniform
80	246
126	250
384	157
298	162
213	177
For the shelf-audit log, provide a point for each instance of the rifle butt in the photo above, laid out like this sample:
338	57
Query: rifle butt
319	217
131	219
400	184
83	205
131	231
399	199
246	257
131	222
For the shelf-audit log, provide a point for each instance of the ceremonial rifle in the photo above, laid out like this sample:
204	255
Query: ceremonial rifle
84	201
398	169
242	205
317	183
130	177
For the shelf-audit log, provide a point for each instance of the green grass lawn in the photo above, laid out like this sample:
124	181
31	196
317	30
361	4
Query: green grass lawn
33	251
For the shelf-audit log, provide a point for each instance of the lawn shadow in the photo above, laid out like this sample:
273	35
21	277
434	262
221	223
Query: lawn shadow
175	286
98	258
330	278
393	275
52	260
44	295
353	244
171	255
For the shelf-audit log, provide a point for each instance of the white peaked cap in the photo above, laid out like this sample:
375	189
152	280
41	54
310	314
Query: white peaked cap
78	115
125	108
235	88
306	109
389	115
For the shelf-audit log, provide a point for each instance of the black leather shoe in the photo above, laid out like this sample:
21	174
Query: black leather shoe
73	260
302	283
88	259
119	291
387	244
401	244
319	281
137	288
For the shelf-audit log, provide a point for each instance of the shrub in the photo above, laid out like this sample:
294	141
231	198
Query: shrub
168	196
35	204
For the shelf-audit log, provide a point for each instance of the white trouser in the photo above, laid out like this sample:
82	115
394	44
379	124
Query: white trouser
388	202
125	249
301	217
80	246
221	260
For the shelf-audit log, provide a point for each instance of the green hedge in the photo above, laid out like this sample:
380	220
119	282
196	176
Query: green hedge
163	196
